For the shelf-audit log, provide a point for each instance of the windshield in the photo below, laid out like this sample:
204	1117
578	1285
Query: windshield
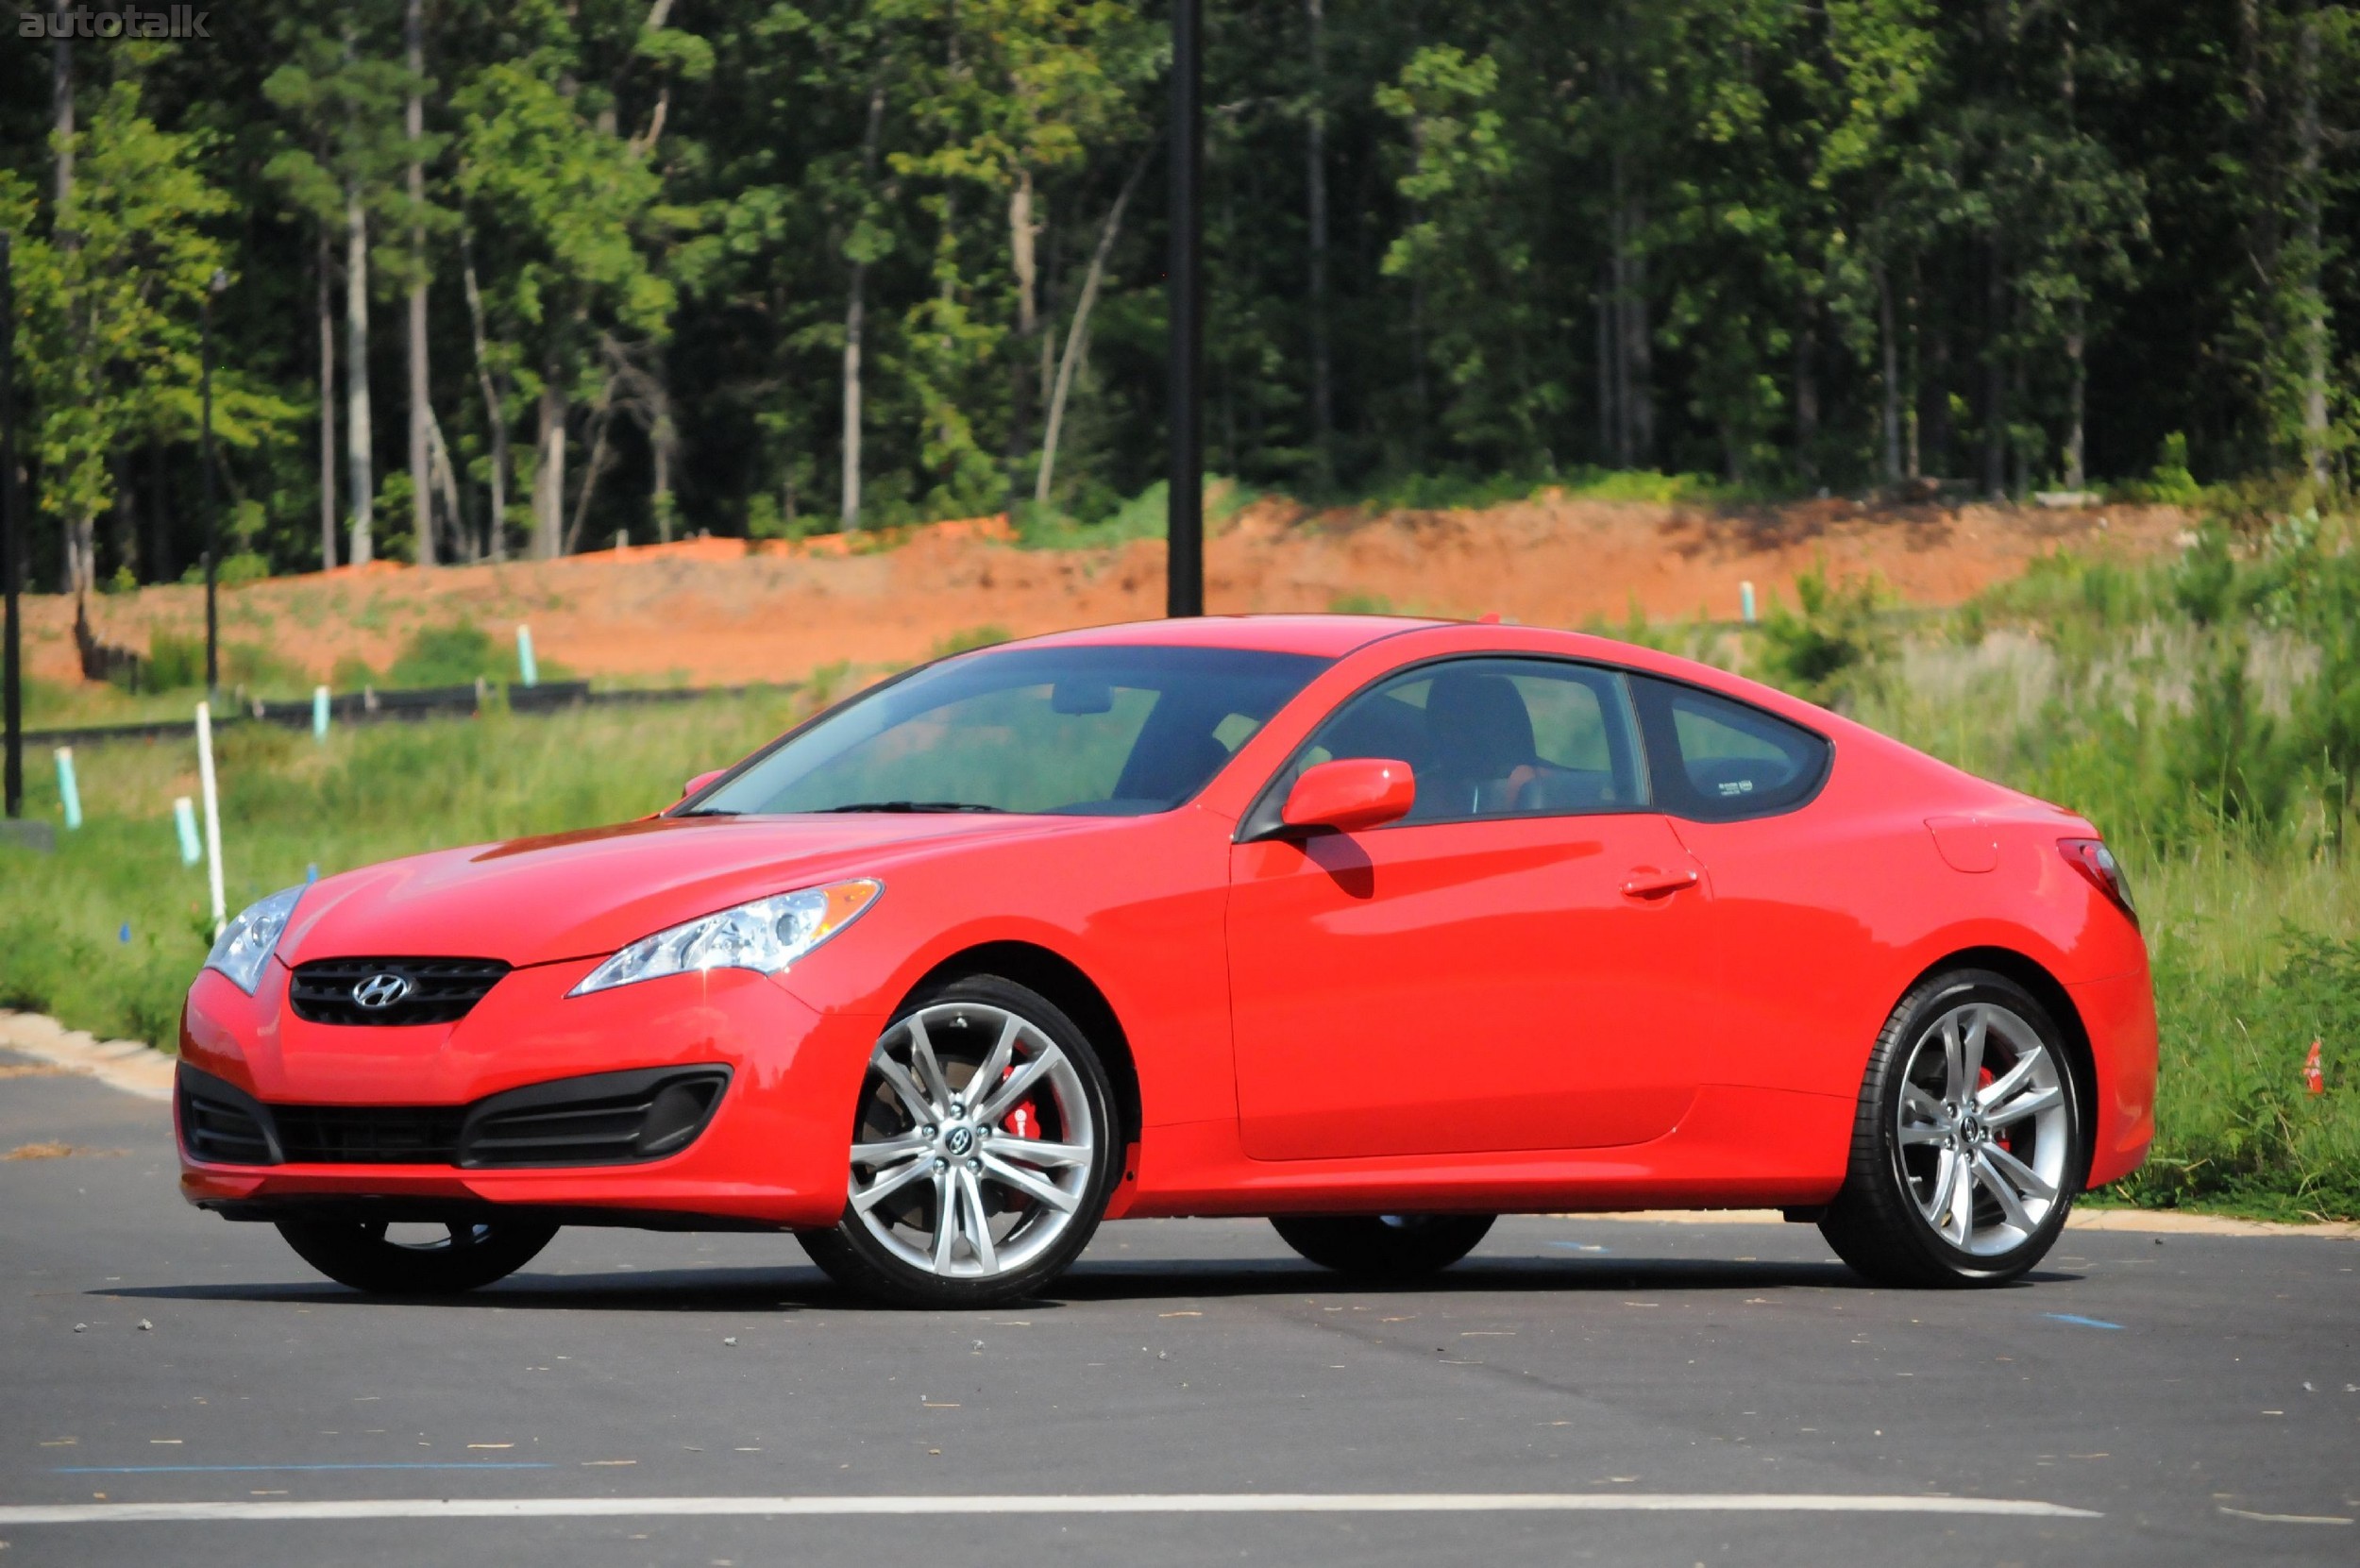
1088	732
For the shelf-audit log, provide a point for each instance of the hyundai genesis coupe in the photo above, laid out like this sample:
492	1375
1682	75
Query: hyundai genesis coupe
1375	927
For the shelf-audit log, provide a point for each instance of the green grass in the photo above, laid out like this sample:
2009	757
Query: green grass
289	803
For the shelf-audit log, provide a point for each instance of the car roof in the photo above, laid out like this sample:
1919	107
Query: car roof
1327	636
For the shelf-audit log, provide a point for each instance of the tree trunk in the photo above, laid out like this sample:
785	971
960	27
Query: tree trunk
61	107
1807	392
1077	335
357	421
663	443
447	485
327	261
1912	377
122	519
160	562
494	415
1024	260
421	411
1891	398
2076	472
1936	395
602	417
1634	356
549	468
2310	293
848	513
1315	196
1995	375
1610	377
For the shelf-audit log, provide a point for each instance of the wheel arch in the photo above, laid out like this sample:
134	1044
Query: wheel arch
2051	994
1063	982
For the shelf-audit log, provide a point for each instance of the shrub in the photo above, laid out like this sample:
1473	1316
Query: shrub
1829	649
175	662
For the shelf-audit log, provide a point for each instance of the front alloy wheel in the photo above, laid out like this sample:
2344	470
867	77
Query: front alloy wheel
1969	1145
982	1149
414	1260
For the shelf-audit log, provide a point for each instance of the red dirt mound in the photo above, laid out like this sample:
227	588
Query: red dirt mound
719	610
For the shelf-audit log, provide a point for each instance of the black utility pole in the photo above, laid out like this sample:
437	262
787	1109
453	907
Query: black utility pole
11	550
219	281
1185	575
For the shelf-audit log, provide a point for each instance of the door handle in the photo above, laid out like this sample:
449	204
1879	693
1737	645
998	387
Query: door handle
1646	882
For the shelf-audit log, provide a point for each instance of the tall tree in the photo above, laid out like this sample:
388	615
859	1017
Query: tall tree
576	213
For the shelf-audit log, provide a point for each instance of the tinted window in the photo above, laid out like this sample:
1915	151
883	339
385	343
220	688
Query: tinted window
1716	760
1063	731
1493	737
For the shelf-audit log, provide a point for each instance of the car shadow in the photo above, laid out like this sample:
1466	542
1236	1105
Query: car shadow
790	1289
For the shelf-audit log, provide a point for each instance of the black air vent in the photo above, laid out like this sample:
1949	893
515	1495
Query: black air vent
368	1134
221	1124
608	1119
418	990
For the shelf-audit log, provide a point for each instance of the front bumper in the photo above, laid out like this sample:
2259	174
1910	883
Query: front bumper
774	1152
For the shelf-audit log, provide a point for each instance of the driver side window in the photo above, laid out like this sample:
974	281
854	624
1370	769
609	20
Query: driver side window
1495	737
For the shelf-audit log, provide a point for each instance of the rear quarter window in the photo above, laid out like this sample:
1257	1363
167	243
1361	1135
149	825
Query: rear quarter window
1712	759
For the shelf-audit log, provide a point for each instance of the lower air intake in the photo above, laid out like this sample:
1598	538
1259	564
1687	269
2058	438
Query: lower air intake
221	1125
603	1119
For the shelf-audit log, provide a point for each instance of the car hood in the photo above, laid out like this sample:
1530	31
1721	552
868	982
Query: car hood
579	895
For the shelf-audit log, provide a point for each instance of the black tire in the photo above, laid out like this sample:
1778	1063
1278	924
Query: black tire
1878	1223
1381	1247
857	1259
356	1252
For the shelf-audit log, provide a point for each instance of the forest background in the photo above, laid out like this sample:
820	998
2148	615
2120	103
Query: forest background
518	280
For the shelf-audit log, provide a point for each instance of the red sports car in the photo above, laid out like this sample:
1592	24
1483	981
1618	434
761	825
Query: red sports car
1377	927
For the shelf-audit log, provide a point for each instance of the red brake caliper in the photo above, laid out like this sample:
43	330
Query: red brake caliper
1983	1081
1023	1122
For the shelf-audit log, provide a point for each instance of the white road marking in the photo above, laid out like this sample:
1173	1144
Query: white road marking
1214	1502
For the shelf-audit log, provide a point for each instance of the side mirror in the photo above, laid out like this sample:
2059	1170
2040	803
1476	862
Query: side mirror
700	782
1350	794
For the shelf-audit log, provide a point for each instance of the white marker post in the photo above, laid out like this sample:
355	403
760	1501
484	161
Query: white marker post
69	792
319	713
184	820
527	672
212	811
1745	602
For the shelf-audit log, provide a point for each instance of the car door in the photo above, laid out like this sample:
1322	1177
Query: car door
1505	968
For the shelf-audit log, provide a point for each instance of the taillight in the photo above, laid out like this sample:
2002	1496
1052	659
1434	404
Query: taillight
2091	857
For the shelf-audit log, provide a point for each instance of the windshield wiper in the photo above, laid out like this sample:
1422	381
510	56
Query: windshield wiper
710	811
913	806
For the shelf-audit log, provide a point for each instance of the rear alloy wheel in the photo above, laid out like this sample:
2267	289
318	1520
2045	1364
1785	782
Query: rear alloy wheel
983	1147
1382	1246
1968	1150
368	1255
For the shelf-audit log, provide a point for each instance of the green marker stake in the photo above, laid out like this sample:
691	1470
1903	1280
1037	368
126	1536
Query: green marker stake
184	818
68	791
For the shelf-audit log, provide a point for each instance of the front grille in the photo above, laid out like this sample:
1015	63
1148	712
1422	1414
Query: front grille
368	1134
433	991
221	1125
602	1119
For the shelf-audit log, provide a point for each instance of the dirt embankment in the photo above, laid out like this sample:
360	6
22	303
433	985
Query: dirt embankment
712	611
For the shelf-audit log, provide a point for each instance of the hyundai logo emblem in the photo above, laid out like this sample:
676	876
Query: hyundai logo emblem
960	1142
381	990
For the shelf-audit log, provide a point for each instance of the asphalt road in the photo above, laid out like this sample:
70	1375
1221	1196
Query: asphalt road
2198	1400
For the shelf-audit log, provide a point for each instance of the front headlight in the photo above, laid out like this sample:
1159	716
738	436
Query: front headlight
246	943
766	935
